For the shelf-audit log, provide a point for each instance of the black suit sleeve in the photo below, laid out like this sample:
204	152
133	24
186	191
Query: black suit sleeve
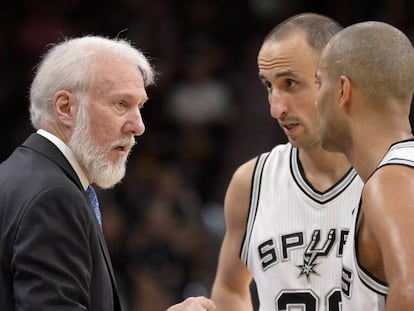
52	260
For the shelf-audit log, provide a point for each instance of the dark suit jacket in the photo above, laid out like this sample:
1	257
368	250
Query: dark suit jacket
52	252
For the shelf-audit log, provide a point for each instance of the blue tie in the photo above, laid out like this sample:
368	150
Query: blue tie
95	204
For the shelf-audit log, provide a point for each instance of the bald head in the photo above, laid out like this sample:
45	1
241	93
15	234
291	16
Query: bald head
377	58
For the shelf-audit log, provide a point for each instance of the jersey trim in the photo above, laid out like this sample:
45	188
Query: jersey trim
400	153
317	196
254	202
393	155
367	278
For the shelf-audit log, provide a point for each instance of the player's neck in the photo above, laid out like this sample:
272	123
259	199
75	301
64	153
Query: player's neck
365	155
370	138
323	169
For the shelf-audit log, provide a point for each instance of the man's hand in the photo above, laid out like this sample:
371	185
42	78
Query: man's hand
194	304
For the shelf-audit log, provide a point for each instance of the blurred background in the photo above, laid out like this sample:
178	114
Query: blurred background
207	114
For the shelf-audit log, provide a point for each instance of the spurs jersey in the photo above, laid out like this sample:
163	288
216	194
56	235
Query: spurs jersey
360	289
295	235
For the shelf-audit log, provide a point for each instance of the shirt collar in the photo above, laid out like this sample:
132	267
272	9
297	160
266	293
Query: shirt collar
68	155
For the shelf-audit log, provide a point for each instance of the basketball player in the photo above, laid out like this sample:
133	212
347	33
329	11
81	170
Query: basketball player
288	211
366	78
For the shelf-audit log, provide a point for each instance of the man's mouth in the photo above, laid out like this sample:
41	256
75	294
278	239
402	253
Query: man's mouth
290	126
123	145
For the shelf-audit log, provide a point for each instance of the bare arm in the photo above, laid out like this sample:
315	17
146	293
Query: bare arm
388	203
194	304
231	289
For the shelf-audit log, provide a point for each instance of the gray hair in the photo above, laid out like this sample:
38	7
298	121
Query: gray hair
69	66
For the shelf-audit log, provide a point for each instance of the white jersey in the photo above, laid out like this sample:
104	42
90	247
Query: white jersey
295	234
360	289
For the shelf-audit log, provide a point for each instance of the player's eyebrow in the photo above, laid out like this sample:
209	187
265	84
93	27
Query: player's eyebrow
281	74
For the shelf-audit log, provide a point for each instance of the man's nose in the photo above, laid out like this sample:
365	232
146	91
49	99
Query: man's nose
135	125
278	105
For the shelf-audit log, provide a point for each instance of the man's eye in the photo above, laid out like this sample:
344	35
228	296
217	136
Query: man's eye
267	85
290	83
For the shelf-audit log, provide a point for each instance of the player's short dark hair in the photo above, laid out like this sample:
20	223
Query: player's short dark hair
318	29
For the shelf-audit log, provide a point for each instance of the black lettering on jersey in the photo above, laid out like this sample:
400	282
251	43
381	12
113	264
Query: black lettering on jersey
318	247
315	250
307	300
334	300
342	241
297	300
267	253
289	242
347	278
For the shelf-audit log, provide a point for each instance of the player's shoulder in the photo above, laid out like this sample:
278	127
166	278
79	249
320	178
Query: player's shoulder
242	176
245	171
389	175
386	185
281	150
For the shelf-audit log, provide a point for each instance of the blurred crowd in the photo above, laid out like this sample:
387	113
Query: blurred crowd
207	114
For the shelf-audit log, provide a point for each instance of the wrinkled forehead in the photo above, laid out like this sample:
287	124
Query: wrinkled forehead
117	78
292	53
288	44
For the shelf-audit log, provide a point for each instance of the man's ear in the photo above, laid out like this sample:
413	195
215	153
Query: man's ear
345	92
64	106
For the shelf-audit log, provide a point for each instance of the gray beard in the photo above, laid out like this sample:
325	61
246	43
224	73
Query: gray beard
93	157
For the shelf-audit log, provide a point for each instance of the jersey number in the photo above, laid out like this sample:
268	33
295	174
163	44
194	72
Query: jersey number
307	301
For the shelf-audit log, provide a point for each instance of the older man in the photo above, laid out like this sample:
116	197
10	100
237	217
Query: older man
85	98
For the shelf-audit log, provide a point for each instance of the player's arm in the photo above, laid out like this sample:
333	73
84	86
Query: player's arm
388	203
231	289
194	304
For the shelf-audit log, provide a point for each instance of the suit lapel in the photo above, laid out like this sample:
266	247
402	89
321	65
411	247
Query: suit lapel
40	144
105	253
109	265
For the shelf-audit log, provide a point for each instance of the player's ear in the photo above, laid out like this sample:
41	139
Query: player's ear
345	92
64	107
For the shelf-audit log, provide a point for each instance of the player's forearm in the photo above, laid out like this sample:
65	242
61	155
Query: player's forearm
228	300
